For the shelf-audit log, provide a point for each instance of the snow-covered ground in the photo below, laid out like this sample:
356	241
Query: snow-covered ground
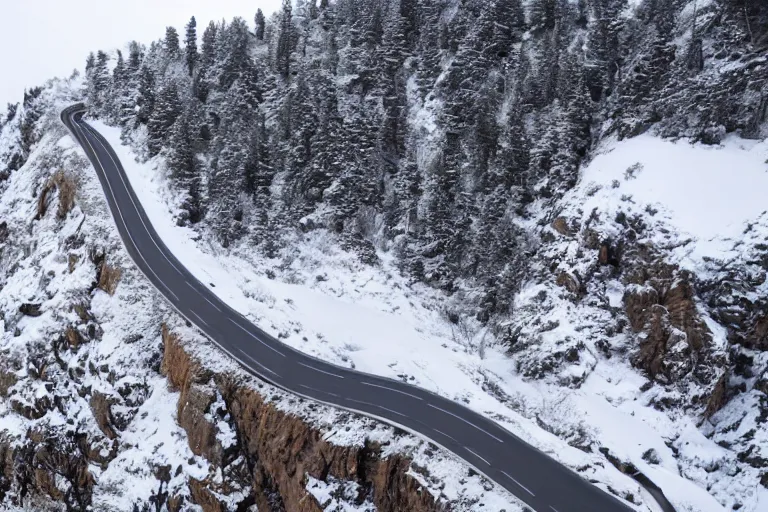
707	194
324	302
48	262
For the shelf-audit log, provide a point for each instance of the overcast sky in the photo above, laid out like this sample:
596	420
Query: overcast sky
41	39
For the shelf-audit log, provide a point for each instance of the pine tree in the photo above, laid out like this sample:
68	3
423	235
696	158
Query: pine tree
166	110
409	11
285	41
202	81
509	25
209	44
258	173
171	42
233	44
190	49
442	227
90	62
485	132
145	98
98	81
544	14
331	56
394	49
260	22
649	70
101	71
120	73
604	45
374	29
575	122
134	57
511	165
118	89
239	161
182	165
299	122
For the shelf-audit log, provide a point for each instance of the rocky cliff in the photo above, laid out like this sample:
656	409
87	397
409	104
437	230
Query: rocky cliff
274	452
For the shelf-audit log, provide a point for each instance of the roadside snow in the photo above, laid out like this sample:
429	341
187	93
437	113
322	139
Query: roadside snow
709	193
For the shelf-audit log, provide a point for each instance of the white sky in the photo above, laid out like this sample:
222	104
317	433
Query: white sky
41	39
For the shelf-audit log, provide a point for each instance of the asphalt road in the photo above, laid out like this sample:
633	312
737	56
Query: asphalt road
537	479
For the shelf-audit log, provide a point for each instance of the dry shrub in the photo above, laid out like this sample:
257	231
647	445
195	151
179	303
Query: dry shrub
66	184
7	380
42	201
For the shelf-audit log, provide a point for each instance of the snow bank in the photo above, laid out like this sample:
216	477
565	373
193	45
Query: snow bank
709	193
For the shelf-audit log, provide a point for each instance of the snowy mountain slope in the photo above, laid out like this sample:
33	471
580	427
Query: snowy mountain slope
85	347
326	303
632	257
470	189
352	315
83	404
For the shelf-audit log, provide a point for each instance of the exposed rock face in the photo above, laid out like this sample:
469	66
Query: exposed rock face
275	450
30	310
7	380
675	344
102	411
656	315
675	337
109	276
560	224
6	468
52	466
66	186
569	282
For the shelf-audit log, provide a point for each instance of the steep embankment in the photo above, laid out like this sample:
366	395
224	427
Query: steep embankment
276	450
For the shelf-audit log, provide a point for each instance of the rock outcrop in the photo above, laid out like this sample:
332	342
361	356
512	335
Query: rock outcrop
675	347
675	338
274	451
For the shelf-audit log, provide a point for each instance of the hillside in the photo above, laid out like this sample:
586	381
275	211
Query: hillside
549	210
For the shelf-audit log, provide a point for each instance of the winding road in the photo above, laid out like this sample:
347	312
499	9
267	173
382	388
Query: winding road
535	478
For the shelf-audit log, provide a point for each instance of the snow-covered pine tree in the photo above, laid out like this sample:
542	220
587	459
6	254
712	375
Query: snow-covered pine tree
285	40
202	79
233	156
182	164
259	22
145	95
98	80
171	43
167	107
508	25
190	48
118	89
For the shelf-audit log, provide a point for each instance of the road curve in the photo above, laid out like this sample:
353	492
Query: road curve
535	478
